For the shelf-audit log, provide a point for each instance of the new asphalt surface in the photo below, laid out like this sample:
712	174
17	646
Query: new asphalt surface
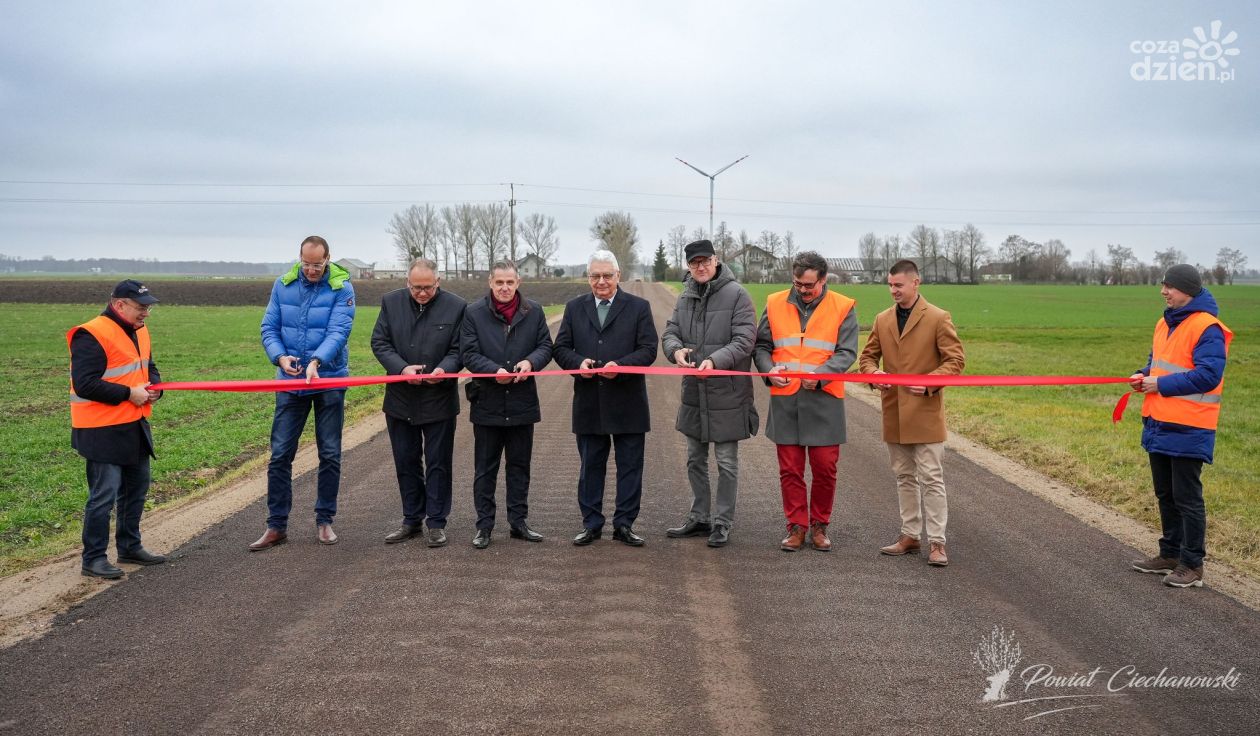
673	637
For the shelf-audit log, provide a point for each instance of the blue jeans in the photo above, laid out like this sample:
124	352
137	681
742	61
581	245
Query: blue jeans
286	429
108	485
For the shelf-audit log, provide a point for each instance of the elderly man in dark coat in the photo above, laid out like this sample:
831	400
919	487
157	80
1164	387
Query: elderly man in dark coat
604	329
417	334
714	325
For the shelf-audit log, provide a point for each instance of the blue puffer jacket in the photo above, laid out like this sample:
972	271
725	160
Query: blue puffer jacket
310	320
1179	440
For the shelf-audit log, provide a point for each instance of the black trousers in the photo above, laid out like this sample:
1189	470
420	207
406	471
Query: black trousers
422	460
1182	513
593	450
490	445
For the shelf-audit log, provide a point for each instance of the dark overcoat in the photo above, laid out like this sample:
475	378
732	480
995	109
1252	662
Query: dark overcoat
429	336
616	405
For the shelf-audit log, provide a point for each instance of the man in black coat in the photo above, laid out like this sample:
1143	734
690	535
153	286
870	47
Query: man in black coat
417	333
504	333
604	329
111	369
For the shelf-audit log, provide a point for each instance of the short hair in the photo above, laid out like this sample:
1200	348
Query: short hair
809	260
603	256
503	265
424	264
903	266
317	241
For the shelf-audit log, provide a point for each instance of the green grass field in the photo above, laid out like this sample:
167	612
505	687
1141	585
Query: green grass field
1065	432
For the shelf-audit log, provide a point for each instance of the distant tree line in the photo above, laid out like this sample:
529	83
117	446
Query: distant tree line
48	264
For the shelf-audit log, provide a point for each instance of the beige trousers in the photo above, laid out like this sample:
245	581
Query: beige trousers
920	479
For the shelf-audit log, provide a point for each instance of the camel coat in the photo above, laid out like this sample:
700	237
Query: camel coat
929	344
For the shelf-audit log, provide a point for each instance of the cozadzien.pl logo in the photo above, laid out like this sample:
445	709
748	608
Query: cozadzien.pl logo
1205	57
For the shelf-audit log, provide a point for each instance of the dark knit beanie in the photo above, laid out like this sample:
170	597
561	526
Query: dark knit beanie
1184	278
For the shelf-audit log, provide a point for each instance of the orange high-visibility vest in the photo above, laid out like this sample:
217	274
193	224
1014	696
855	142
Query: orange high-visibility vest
808	350
1175	354
124	365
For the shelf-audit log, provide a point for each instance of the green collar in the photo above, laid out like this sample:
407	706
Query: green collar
337	276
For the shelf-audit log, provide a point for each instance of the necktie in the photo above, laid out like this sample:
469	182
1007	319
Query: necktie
602	311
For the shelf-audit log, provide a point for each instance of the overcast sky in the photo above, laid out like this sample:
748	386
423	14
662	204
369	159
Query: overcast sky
1020	117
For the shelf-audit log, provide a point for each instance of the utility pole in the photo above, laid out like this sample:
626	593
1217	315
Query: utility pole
711	177
512	218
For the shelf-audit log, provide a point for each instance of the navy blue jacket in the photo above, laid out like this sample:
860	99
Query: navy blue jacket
486	344
1180	440
407	333
608	405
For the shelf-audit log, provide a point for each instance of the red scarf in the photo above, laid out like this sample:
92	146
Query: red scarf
508	309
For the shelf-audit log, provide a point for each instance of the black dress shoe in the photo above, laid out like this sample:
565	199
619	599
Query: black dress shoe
522	531
100	568
690	528
141	556
403	533
720	536
626	535
482	540
587	536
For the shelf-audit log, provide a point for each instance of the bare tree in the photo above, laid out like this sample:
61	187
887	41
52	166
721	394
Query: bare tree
954	252
416	231
539	233
677	241
789	246
723	241
891	249
466	229
1119	257
450	241
868	251
1092	262
1019	253
972	241
492	230
920	242
1232	260
1169	257
618	233
1054	258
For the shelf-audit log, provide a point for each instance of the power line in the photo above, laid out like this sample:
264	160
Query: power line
795	203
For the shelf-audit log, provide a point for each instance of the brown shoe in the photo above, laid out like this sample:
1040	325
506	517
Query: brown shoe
1156	565
1185	577
269	539
794	539
325	534
818	537
905	545
936	555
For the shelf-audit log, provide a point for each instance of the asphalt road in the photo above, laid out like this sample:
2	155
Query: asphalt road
673	637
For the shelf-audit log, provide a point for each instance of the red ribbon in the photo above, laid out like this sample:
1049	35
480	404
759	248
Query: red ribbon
894	379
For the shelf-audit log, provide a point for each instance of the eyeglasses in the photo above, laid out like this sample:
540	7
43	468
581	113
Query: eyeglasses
805	286
602	276
420	289
139	307
700	262
315	266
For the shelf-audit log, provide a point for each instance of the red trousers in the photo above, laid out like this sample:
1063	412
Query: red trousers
822	463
